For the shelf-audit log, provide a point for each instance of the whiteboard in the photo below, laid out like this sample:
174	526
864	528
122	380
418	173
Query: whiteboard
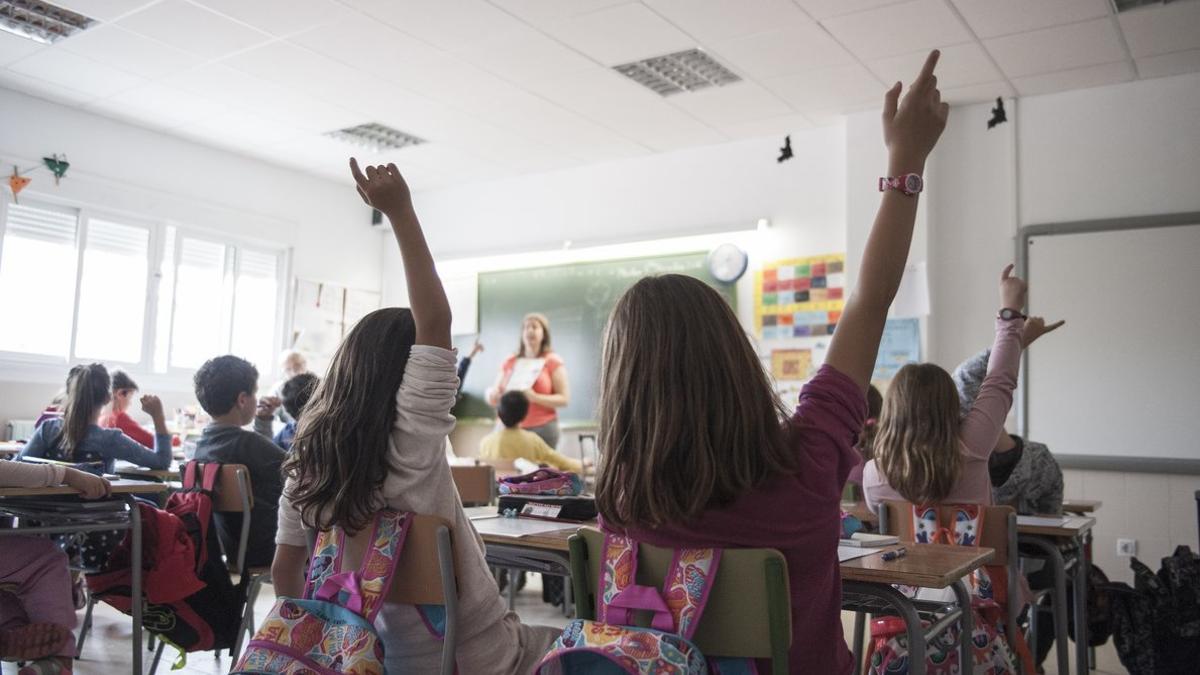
1122	378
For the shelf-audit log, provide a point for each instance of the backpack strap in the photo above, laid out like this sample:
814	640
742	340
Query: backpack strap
363	591
677	607
209	481
927	524
326	559
189	474
687	586
618	569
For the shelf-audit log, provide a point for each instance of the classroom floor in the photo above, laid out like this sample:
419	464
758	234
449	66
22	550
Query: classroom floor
107	648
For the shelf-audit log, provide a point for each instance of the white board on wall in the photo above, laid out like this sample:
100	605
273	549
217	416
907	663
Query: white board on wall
1122	378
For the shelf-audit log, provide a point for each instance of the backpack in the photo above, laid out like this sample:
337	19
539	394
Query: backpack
612	645
1156	624
332	629
992	652
190	601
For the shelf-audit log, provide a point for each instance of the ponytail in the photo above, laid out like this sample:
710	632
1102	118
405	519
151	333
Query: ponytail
87	391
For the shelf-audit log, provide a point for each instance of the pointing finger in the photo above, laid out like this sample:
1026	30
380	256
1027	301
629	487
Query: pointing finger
357	173
927	70
1007	272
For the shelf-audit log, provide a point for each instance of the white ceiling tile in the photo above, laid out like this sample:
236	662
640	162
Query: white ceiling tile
829	88
446	24
784	51
1078	78
106	10
898	29
713	20
75	72
989	18
539	11
35	86
285	64
13	48
193	29
1055	49
621	34
732	104
240	127
1166	65
159	105
1162	29
119	48
278	17
823	9
958	66
977	93
775	126
524	54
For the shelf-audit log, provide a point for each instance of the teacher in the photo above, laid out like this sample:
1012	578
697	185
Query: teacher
550	389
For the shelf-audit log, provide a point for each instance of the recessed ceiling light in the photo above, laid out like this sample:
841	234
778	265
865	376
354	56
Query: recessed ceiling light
41	21
1126	5
375	137
676	73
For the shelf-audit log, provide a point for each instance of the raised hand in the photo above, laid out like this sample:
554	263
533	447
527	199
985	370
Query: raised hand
475	349
89	486
383	188
152	406
1036	327
1012	289
912	126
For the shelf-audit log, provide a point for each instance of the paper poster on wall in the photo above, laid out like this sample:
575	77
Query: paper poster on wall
901	345
799	297
322	314
790	364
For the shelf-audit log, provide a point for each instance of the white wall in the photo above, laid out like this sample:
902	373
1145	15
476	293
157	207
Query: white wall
143	173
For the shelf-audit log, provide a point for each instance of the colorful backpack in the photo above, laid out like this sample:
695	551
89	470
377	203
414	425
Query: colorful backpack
332	629
612	645
992	654
542	482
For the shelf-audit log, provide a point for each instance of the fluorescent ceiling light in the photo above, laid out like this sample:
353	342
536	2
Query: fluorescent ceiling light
679	72
41	21
376	137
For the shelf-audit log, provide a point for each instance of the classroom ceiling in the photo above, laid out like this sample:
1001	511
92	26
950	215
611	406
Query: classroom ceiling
502	87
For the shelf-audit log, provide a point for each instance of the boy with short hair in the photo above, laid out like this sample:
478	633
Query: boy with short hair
226	387
293	396
513	442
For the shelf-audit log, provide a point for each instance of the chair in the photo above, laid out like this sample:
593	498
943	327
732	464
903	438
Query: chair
476	484
749	611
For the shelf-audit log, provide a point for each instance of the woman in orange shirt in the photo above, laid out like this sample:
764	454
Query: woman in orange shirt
550	390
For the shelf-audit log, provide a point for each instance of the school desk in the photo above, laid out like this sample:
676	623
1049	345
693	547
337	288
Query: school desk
131	470
56	515
1081	506
10	449
1047	534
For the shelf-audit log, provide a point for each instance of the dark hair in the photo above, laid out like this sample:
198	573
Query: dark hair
339	457
545	323
688	418
296	392
122	381
220	381
866	439
513	408
87	391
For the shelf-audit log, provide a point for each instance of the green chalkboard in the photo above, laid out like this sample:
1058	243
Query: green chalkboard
577	299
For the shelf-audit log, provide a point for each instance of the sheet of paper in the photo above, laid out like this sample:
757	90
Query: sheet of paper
1042	521
851	552
524	373
519	527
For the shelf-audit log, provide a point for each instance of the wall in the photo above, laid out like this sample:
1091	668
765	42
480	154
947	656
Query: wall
128	169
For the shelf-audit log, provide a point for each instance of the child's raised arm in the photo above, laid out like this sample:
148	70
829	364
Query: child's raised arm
384	189
910	129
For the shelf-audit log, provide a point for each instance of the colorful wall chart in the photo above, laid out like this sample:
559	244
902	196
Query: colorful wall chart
901	345
801	297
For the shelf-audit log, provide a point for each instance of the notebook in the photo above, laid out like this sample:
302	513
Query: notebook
867	540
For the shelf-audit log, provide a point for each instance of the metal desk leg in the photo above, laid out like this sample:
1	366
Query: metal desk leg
1082	568
860	621
512	589
135	522
906	610
966	628
1059	606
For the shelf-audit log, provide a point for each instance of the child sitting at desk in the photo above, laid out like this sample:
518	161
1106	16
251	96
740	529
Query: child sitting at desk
293	396
513	442
123	390
36	611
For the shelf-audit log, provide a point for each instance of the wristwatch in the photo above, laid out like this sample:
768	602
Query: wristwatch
910	183
1007	314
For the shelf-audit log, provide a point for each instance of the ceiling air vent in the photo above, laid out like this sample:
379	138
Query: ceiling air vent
376	137
41	21
676	73
1126	5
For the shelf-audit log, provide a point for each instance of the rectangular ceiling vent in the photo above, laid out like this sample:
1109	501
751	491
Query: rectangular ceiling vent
376	137
676	73
41	21
1126	5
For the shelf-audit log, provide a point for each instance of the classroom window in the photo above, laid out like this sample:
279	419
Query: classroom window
256	292
112	292
38	266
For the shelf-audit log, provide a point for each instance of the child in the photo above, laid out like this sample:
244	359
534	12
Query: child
36	612
226	387
292	363
123	389
513	442
695	455
866	439
373	436
464	365
294	395
924	452
53	409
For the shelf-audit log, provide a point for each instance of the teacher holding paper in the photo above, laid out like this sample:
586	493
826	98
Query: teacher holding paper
539	373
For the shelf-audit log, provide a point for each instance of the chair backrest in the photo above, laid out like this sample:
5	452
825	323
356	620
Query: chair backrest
476	484
749	606
418	579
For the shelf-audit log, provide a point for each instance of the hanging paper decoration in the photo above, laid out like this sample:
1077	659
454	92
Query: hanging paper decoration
57	166
16	183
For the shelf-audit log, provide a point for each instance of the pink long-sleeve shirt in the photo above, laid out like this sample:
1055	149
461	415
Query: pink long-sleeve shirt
26	475
978	431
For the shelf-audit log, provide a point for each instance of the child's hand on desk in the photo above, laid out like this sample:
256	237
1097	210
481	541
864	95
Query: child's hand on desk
152	406
89	486
1035	327
382	187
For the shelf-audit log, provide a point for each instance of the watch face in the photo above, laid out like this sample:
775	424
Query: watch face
913	183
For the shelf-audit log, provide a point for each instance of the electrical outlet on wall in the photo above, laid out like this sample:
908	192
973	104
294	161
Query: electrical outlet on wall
1126	548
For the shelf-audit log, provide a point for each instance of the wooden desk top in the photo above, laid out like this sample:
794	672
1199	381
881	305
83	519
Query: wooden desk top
925	565
1071	527
128	469
1081	505
119	487
549	541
